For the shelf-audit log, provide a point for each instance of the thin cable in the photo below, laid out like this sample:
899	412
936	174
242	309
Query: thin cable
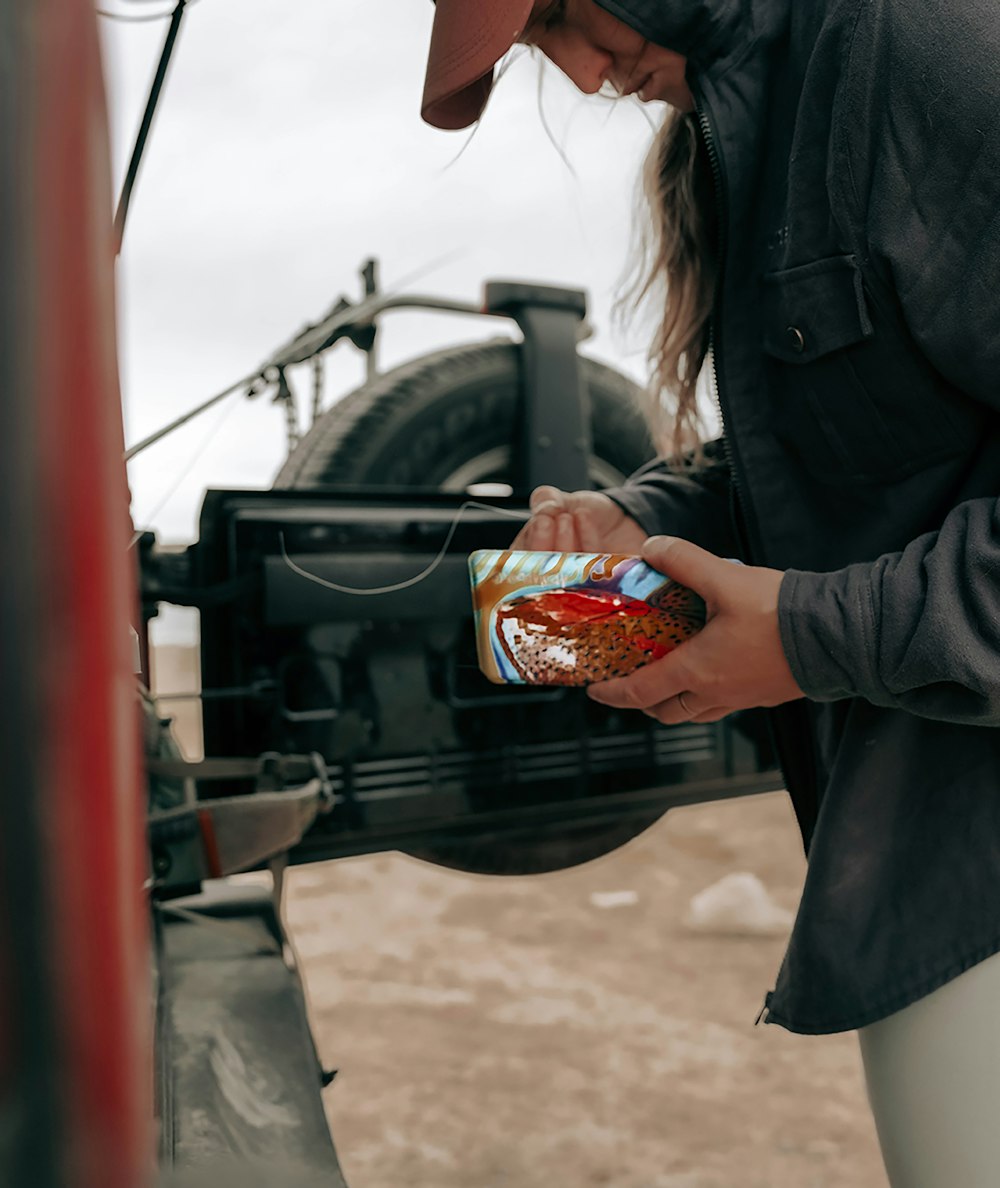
250	382
279	357
132	172
186	470
247	383
413	581
424	270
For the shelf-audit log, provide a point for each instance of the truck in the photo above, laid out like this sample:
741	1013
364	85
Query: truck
154	1024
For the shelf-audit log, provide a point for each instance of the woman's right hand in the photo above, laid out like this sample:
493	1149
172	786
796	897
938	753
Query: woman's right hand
577	522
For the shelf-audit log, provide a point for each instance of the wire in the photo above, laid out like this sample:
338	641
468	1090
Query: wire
186	470
249	383
424	270
413	581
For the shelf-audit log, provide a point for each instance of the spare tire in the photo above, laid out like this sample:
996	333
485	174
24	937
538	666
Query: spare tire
447	421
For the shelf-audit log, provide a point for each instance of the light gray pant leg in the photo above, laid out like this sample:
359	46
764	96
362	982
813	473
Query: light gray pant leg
933	1073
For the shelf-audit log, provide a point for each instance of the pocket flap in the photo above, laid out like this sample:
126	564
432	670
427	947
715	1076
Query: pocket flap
814	309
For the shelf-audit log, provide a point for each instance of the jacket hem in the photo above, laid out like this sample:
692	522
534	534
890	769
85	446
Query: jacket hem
891	1003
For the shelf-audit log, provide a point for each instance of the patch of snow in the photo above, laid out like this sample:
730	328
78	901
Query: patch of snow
737	905
614	899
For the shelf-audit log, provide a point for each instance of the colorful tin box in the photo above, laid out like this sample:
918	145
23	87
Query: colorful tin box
574	618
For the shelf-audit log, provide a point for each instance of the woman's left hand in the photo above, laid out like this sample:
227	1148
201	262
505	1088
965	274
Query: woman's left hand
735	662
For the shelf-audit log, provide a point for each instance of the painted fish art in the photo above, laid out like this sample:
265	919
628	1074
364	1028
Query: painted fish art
575	618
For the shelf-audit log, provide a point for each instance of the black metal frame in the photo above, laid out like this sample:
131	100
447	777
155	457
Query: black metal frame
421	752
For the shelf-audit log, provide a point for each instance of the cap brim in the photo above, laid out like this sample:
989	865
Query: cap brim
469	37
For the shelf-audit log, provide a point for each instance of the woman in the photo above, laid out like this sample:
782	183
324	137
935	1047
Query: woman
827	190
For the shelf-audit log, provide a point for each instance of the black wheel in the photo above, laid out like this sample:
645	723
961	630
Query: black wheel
446	421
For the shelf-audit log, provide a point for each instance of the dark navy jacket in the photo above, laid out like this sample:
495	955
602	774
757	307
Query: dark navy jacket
857	351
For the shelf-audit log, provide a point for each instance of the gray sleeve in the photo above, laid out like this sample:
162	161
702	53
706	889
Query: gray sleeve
918	630
692	502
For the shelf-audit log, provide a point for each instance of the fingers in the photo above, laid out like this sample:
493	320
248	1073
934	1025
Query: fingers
647	690
639	692
538	534
552	527
686	707
735	661
564	538
668	717
674	711
547	534
543	495
590	538
649	686
577	521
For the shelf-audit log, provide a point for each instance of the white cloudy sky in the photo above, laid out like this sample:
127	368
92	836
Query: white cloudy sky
287	148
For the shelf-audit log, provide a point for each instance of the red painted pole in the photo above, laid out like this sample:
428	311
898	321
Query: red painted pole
90	789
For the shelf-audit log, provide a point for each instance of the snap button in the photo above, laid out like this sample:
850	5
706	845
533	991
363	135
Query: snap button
796	339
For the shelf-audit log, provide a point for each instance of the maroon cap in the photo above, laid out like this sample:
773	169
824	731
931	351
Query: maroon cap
468	39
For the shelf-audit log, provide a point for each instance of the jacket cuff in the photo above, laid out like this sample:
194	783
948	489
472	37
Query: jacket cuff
827	631
636	503
692	506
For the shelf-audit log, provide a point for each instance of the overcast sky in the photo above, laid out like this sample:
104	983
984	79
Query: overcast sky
287	147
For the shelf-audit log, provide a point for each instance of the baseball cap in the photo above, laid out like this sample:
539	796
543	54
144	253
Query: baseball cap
468	38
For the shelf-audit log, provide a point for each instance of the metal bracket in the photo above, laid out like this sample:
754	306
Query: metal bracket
555	409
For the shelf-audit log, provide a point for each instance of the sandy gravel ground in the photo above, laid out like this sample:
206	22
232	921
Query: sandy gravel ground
508	1033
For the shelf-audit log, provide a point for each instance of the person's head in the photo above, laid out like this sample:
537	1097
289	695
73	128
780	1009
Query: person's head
597	51
593	48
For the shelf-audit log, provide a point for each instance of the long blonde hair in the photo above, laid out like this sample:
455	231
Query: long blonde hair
676	268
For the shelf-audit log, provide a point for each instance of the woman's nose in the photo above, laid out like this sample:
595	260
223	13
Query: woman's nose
585	65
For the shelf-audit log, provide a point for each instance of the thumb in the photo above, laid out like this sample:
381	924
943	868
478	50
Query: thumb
694	567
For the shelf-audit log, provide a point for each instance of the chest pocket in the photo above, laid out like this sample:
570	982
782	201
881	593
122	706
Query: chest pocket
852	396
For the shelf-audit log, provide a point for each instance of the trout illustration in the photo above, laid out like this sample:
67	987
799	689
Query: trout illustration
578	635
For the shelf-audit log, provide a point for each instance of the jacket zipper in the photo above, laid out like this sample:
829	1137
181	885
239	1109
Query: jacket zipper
739	513
742	511
719	188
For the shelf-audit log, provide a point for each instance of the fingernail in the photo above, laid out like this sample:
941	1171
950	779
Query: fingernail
596	693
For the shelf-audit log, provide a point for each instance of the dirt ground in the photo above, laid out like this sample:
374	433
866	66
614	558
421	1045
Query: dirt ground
508	1033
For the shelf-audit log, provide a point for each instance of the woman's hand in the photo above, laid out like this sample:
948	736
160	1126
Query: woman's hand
735	662
577	522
